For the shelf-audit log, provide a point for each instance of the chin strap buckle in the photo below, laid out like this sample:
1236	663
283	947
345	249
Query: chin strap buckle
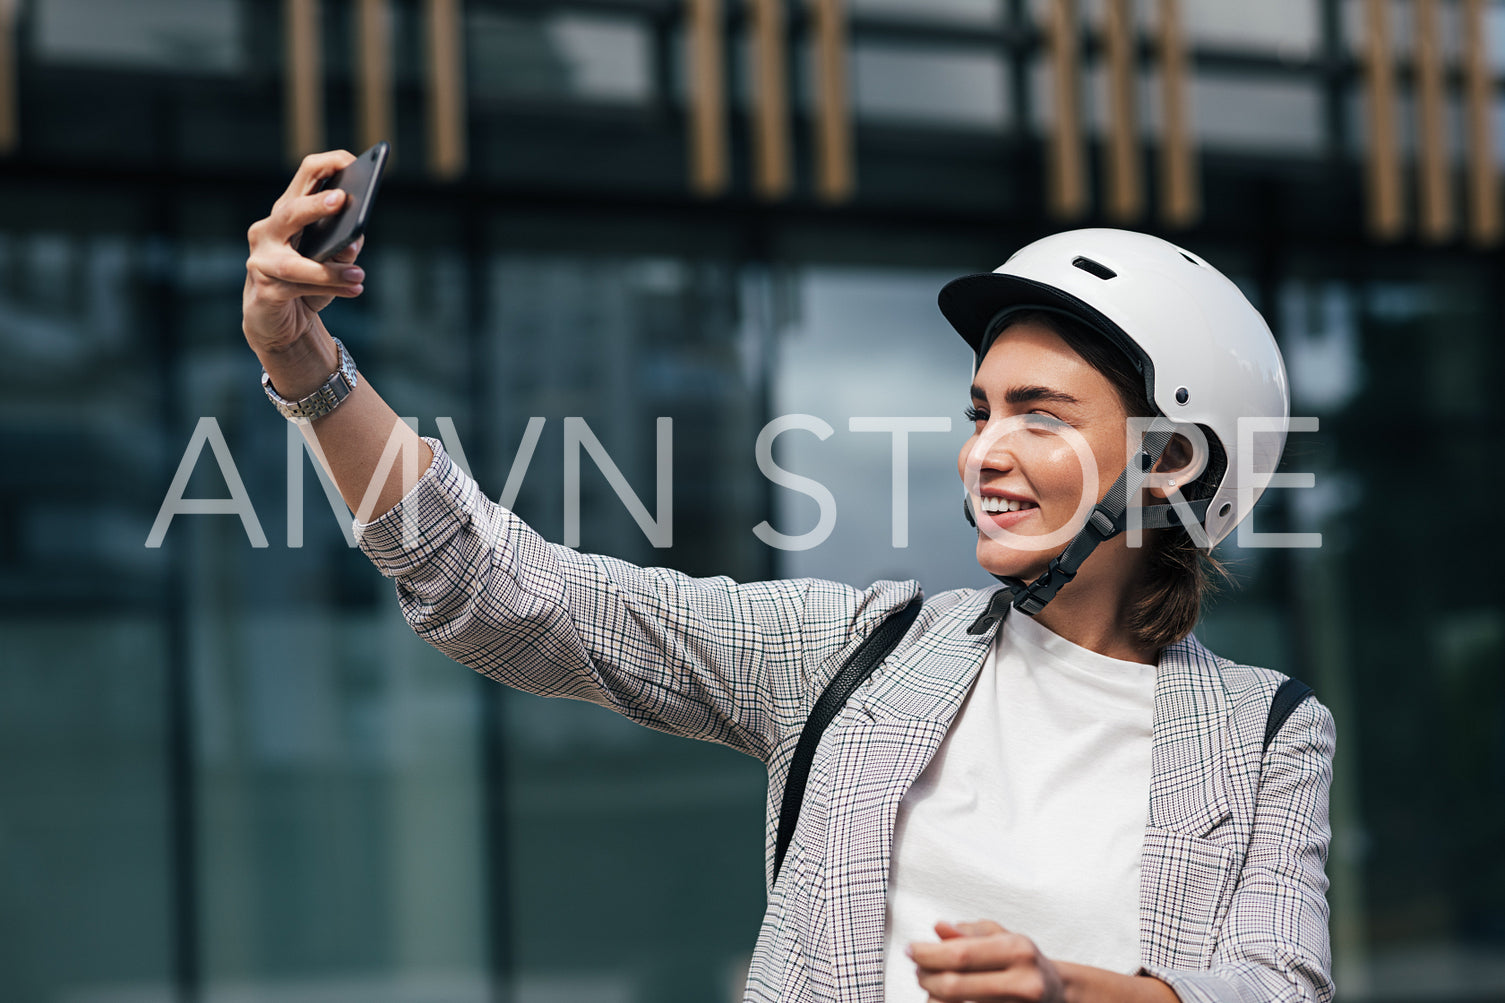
1031	599
1102	524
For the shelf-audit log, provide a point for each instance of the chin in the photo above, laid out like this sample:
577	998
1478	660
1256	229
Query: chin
997	560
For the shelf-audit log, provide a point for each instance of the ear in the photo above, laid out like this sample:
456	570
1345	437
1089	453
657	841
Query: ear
1175	471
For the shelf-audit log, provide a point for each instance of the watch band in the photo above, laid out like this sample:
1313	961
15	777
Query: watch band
323	400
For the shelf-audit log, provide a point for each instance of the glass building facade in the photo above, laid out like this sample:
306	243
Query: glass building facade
229	772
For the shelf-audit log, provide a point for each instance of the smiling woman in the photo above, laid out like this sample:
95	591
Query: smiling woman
1092	391
1106	795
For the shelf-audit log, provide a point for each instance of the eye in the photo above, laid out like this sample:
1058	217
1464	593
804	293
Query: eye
1043	421
972	414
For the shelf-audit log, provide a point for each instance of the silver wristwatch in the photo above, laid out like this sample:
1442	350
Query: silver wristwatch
321	401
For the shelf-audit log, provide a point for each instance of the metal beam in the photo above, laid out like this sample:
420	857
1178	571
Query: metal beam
1433	151
835	158
10	97
303	78
1125	184
1180	182
373	36
446	89
1483	176
773	173
1067	181
1383	168
710	167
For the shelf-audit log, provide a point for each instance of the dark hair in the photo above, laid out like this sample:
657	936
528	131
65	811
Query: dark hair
1178	575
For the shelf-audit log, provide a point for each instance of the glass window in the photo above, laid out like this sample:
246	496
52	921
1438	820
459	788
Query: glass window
86	891
558	55
877	331
971	12
605	818
1497	126
1494	33
1287	27
205	36
1402	25
89	880
930	87
1278	116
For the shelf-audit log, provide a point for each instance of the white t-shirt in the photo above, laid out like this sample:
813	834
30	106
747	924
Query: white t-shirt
1032	812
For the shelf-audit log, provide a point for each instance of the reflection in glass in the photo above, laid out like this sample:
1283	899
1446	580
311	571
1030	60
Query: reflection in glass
558	55
205	36
944	87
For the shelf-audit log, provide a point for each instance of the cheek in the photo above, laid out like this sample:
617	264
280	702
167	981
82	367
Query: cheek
1057	470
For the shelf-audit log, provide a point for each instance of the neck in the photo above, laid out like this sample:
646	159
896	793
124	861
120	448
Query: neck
1091	610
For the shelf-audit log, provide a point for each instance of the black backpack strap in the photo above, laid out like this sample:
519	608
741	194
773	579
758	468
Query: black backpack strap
1287	698
857	668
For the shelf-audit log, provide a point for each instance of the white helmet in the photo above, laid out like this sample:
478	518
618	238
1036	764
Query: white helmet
1206	354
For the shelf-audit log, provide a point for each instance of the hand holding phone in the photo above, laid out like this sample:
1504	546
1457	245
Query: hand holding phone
324	238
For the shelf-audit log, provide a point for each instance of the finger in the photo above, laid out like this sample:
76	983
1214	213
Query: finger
980	928
958	987
971	954
947	931
287	265
274	291
350	252
290	216
315	168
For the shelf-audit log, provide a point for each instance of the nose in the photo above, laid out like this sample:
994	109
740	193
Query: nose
993	449
989	452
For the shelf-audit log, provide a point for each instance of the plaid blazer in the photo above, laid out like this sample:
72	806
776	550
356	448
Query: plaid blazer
1232	894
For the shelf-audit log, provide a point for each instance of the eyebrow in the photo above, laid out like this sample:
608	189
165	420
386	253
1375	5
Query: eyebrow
1029	395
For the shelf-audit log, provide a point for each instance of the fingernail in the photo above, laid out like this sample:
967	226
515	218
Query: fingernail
354	275
909	952
332	198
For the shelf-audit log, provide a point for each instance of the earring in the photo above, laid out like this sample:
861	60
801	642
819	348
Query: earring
1170	484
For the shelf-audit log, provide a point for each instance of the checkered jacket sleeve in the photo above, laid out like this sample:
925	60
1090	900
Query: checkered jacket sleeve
738	664
1273	945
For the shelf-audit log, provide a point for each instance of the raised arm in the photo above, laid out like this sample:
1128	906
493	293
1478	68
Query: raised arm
706	658
283	296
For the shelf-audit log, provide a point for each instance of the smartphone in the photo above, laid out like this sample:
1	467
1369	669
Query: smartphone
324	238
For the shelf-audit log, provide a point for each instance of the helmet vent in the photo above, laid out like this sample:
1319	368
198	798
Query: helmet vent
1194	261
1093	267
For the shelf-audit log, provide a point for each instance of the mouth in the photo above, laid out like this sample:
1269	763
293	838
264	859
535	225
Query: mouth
995	505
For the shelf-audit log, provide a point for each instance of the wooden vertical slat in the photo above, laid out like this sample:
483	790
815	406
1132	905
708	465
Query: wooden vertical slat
10	87
835	158
1483	178
710	167
303	79
1180	185
1383	169
446	89
373	33
772	169
1067	183
1434	153
1125	186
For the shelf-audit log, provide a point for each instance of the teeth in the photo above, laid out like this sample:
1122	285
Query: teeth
1003	505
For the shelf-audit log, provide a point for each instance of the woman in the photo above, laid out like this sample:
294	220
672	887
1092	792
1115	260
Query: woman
1080	771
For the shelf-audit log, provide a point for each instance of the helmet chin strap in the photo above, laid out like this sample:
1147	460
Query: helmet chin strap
1108	518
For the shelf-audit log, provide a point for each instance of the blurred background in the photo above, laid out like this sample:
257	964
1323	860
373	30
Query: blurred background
229	772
